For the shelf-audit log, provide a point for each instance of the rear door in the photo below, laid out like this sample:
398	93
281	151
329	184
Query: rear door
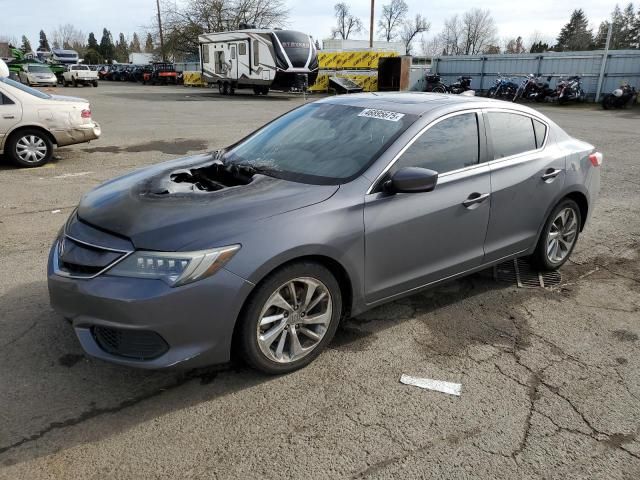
413	239
527	176
10	114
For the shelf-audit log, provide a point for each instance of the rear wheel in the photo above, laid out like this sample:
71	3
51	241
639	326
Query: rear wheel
439	89
29	148
290	318
225	88
559	236
95	83
608	102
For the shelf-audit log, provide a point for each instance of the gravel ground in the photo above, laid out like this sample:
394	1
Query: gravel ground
550	377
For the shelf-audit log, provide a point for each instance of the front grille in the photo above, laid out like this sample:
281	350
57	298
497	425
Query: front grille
138	344
79	259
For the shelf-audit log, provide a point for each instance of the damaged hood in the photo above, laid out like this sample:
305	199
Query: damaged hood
166	207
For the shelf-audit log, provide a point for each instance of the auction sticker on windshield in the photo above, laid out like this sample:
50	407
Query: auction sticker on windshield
381	114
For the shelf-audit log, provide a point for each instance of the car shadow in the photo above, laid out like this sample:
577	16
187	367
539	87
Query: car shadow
47	384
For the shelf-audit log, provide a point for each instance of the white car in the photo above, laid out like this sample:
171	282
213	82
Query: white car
32	122
36	74
79	74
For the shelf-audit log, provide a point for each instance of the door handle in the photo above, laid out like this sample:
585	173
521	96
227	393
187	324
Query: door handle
475	198
550	174
8	116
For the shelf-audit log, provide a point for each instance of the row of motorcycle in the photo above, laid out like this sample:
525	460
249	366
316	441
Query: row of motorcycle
535	88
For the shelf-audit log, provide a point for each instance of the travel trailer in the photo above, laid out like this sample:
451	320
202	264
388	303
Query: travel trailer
258	59
66	57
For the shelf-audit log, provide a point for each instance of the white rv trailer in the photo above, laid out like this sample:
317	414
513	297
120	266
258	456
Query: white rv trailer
258	59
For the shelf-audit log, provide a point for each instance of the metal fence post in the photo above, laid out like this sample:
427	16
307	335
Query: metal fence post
482	74
603	66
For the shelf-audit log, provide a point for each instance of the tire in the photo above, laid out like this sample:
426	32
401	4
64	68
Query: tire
608	102
439	89
491	93
265	90
221	88
64	83
280	354
95	84
29	140
541	258
225	88
257	90
74	83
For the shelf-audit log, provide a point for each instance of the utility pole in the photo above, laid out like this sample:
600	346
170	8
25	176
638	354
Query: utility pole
603	66
160	29
371	25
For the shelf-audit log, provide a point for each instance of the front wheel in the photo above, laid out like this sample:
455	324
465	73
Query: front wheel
559	236
439	89
608	102
290	318
29	148
95	83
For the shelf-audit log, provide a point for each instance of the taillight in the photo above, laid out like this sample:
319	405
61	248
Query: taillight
596	159
86	113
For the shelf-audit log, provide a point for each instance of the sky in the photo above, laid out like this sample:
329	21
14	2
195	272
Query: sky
513	17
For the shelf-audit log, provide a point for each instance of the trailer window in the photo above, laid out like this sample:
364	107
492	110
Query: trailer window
242	49
205	54
256	53
221	66
233	52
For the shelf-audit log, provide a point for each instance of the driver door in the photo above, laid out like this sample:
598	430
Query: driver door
414	239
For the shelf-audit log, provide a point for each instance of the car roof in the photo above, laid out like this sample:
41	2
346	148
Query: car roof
419	103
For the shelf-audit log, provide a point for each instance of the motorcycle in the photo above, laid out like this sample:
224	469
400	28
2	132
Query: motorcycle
434	84
463	84
503	88
570	90
620	98
533	88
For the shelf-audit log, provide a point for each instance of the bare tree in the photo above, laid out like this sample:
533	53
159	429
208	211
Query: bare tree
346	23
478	31
450	37
431	47
515	45
68	36
393	15
182	24
411	28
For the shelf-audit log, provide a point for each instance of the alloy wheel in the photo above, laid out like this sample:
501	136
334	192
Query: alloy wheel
31	149
294	320
562	235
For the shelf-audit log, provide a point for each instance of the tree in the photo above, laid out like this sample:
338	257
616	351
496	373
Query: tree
411	28
67	36
575	35
148	44
393	15
26	45
92	43
347	23
539	47
491	50
121	51
134	46
92	57
106	49
515	45
318	47
44	43
478	31
450	36
182	23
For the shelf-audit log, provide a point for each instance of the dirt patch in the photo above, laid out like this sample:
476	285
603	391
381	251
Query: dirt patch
624	336
179	146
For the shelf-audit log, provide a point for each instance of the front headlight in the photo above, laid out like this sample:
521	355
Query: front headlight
174	268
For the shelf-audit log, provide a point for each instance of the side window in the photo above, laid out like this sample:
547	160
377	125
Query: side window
5	100
242	49
449	145
205	53
233	52
540	130
511	134
256	52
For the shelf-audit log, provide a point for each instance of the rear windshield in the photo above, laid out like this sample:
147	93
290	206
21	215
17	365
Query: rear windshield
80	67
321	143
24	88
39	68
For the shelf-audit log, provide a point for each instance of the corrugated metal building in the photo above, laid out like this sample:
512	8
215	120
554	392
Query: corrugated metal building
621	66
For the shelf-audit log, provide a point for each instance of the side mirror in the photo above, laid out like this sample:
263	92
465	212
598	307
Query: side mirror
411	180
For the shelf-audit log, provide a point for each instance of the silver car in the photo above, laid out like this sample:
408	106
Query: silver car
334	208
36	74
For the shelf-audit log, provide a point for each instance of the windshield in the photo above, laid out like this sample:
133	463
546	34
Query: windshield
24	88
39	68
321	143
296	45
80	67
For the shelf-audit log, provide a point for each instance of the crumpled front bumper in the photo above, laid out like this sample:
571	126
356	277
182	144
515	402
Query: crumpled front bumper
77	134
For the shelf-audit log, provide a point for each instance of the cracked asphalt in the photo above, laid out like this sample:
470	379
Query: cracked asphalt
550	377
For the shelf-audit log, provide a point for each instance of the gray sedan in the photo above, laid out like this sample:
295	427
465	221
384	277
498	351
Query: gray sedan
333	208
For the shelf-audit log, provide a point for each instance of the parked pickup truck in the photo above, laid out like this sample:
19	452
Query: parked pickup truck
79	74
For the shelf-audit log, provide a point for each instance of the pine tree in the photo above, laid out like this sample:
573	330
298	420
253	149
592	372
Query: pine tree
575	35
44	43
26	45
539	47
92	43
134	47
600	40
148	45
122	49
636	31
106	48
627	29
